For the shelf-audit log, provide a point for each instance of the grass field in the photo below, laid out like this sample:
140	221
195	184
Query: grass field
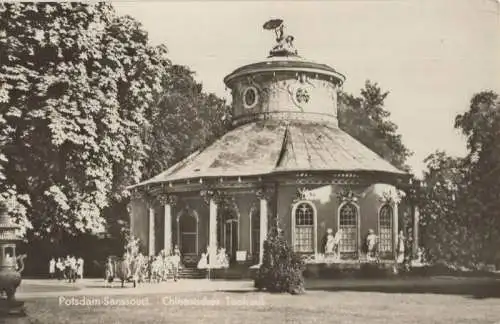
324	302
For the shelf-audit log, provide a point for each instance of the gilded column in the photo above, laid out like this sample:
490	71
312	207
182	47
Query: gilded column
210	198
416	219
264	197
168	201
151	236
395	228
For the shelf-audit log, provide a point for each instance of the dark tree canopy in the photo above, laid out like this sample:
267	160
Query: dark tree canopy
365	118
460	205
186	119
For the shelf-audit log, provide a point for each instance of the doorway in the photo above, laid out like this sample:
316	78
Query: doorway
188	237
228	236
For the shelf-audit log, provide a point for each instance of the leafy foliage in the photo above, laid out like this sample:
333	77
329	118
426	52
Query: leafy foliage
481	126
186	119
443	226
365	118
77	83
281	269
460	203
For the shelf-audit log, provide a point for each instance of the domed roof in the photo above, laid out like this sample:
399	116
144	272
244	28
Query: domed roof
271	147
293	141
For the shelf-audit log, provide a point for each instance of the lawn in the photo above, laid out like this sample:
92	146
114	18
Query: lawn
323	303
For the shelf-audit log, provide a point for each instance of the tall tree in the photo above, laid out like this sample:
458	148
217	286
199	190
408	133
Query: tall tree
444	225
481	126
77	83
365	118
186	119
460	205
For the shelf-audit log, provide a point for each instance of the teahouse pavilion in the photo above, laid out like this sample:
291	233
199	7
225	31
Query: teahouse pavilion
286	161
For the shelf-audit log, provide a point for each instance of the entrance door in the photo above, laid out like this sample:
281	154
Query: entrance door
231	238
228	232
188	240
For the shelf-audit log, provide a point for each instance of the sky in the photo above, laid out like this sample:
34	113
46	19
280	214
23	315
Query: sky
431	55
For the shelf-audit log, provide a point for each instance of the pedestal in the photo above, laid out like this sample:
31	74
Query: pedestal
12	307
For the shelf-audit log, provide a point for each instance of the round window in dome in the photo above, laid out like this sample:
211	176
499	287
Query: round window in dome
250	97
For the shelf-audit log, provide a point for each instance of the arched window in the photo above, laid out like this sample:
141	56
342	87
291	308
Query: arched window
348	224
385	228
304	219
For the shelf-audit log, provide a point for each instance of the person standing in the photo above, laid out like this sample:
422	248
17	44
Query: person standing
52	268
59	268
176	260
79	265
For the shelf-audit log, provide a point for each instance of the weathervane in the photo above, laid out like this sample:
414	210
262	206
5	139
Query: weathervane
284	43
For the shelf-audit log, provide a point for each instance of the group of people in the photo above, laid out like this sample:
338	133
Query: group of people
221	259
68	268
139	268
164	265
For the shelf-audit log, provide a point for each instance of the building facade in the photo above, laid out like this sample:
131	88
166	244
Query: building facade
286	162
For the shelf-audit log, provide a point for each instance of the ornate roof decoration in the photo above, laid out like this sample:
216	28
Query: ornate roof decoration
386	198
303	194
284	43
347	195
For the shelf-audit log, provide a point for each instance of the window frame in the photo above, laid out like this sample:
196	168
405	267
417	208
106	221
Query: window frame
358	229
314	225
381	208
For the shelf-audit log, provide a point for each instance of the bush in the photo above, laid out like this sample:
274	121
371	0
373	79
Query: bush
281	269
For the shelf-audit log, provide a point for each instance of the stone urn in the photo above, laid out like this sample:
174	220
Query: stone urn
11	265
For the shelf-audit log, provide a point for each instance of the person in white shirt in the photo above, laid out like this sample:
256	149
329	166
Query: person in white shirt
52	268
79	263
176	261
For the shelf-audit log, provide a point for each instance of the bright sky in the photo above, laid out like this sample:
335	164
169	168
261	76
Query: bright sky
432	55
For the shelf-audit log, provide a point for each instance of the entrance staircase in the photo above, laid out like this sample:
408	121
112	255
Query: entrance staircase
192	273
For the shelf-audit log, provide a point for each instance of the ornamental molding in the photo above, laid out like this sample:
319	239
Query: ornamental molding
223	199
386	198
265	193
303	194
167	199
323	182
347	195
391	197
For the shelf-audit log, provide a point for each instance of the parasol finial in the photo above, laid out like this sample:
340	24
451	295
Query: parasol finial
284	43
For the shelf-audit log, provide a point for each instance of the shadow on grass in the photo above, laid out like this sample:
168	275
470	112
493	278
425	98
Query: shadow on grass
476	290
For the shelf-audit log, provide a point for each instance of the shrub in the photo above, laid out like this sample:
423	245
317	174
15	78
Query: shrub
281	269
